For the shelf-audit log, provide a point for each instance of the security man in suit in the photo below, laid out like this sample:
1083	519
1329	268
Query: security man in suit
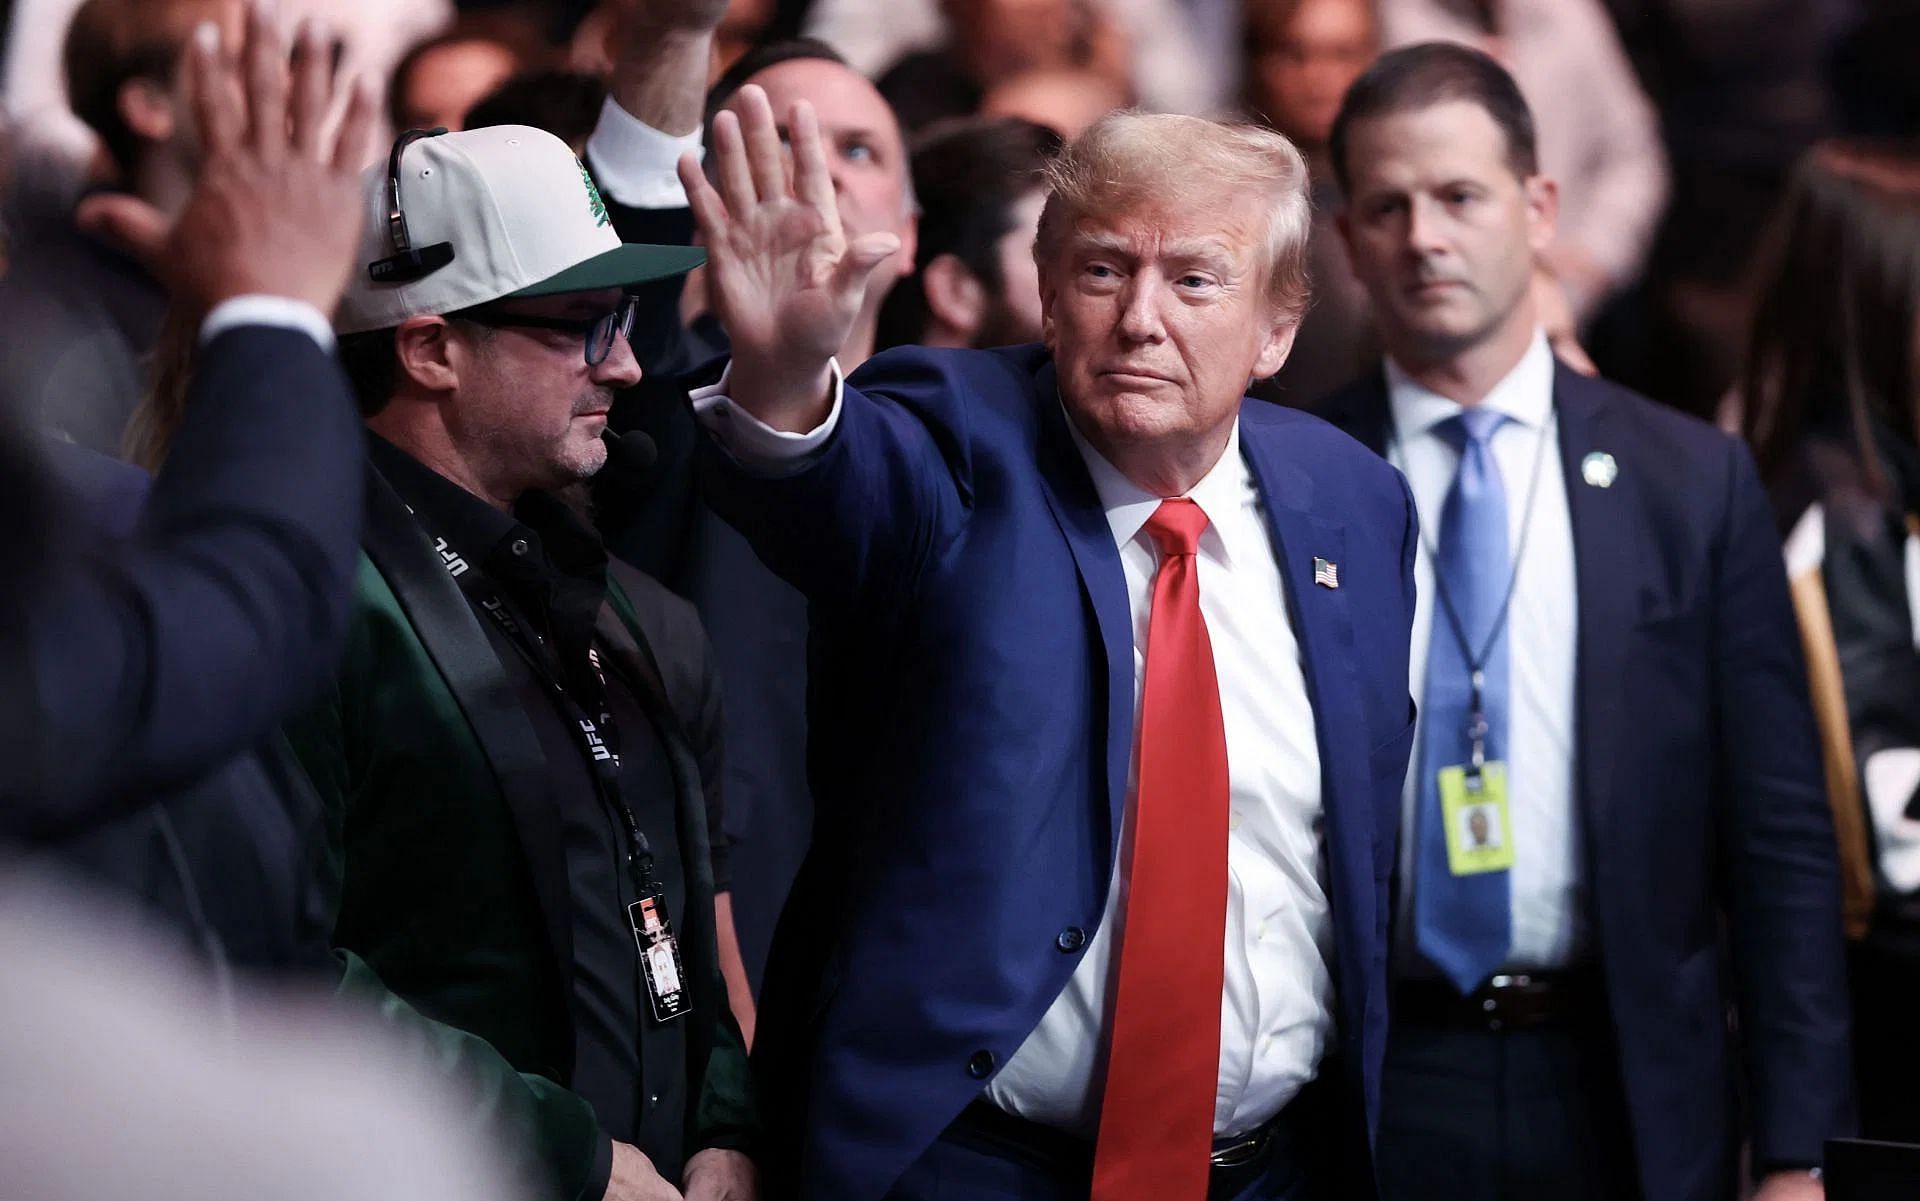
518	752
1610	673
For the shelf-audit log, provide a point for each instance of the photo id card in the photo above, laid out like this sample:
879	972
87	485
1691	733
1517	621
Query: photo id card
1479	831
659	956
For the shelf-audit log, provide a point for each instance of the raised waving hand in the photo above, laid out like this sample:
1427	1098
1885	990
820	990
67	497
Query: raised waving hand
782	276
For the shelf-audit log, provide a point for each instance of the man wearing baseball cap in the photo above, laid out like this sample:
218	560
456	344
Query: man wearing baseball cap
520	757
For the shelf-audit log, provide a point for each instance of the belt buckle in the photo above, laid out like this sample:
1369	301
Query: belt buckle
1494	1007
1245	1151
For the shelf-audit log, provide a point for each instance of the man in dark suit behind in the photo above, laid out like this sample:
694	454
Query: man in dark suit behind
1013	966
1610	673
658	102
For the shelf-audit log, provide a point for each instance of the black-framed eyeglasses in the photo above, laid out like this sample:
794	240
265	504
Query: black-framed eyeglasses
598	332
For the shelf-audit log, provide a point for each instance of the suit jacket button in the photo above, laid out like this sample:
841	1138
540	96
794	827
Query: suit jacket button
981	1065
1071	939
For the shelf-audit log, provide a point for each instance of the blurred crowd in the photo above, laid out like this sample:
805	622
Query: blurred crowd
314	791
1672	127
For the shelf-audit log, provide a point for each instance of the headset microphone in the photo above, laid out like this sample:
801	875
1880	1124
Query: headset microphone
632	451
407	263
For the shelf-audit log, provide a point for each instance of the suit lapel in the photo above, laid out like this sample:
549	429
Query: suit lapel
1076	508
447	628
1605	522
1362	411
1323	626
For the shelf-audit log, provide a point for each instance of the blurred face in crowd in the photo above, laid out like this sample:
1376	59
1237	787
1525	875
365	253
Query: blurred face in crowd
744	26
998	38
1158	317
157	111
1442	230
866	154
963	310
1065	100
1305	56
449	80
521	403
1015	315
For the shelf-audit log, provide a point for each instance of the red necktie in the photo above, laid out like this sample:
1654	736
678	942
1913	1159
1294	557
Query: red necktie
1163	1062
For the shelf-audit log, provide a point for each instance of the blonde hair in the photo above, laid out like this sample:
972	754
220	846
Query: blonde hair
170	367
1128	159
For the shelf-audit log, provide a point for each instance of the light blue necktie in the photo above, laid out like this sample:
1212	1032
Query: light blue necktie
1464	924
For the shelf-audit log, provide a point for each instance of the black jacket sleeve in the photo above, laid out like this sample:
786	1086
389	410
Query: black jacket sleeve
1783	877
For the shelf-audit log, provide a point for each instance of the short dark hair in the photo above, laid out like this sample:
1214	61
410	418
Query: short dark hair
970	173
1430	73
761	58
566	104
517	33
372	367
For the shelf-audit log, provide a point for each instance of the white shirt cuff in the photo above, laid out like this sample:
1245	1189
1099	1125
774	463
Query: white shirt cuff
753	443
1889	778
636	164
1912	555
281	312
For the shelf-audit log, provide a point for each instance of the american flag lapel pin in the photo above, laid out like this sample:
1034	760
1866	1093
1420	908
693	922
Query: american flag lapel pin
1326	573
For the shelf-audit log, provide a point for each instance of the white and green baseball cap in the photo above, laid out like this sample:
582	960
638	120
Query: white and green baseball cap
509	210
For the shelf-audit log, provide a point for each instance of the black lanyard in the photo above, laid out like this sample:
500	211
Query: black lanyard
598	738
1477	726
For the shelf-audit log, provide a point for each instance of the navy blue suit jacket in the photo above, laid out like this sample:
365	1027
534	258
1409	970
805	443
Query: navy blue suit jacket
138	664
229	860
1712	879
972	721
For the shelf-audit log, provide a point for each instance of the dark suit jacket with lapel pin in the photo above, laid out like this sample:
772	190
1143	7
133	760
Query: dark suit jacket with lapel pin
1712	884
972	719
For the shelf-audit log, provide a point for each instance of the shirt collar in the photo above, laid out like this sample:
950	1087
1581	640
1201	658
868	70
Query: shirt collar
555	539
1128	506
1524	394
471	526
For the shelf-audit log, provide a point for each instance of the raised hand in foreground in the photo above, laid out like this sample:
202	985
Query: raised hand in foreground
276	206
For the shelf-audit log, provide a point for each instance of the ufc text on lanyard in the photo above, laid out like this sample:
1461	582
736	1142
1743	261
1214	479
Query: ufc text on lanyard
599	740
1479	784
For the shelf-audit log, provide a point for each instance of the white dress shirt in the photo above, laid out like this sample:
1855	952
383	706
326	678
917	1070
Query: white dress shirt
1549	928
636	164
1276	1007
